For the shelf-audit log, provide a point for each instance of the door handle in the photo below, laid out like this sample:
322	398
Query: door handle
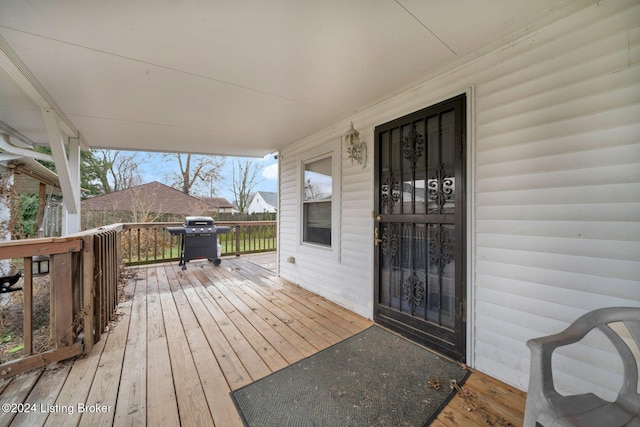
376	240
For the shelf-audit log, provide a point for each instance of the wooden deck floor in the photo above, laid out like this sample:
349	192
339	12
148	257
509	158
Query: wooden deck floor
185	339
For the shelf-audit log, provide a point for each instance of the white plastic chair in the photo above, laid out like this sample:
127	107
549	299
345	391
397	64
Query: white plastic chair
549	408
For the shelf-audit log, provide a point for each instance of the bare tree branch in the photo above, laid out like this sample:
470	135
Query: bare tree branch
245	175
196	172
114	169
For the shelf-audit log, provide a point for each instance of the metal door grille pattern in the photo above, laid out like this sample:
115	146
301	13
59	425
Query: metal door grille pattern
421	181
418	270
420	221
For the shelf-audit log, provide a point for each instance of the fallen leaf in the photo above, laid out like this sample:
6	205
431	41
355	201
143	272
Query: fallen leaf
16	348
434	383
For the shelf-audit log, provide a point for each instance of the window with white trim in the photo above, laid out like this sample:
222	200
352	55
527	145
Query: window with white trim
317	201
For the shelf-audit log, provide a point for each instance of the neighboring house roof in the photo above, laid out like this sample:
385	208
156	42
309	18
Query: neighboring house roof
263	201
152	197
218	202
269	197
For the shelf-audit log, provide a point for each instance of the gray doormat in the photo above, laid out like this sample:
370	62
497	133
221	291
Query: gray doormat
375	378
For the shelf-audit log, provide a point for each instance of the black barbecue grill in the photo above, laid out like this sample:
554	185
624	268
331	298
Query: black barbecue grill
199	239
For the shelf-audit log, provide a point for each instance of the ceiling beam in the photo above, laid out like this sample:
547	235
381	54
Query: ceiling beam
18	71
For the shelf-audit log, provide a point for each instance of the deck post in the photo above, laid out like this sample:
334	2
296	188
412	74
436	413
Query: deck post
238	229
62	300
27	295
88	294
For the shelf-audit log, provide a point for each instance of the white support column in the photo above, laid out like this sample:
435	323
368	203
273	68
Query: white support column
69	181
74	221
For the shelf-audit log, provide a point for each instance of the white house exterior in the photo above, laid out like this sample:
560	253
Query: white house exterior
553	196
263	201
543	128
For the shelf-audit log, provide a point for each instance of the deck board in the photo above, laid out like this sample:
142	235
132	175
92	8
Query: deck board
162	405
228	357
268	339
76	387
131	405
290	345
104	390
236	345
16	392
246	333
192	403
43	396
185	338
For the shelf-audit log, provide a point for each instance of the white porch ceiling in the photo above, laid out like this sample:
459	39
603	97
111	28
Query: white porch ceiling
234	77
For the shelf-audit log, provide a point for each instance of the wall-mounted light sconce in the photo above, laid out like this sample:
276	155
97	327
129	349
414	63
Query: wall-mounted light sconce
356	149
40	265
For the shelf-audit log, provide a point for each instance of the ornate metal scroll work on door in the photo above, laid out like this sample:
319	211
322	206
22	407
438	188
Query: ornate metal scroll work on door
413	292
441	188
413	146
389	244
390	193
440	249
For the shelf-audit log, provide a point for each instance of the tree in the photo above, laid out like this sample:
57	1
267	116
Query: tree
124	171
114	170
103	171
88	182
195	171
245	173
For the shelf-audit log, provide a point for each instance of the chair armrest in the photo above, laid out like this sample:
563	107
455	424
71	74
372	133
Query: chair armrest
542	348
541	379
542	391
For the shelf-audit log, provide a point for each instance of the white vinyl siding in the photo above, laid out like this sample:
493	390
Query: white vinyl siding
554	201
557	192
345	276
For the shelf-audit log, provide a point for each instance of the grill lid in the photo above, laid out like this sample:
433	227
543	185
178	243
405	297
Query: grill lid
193	221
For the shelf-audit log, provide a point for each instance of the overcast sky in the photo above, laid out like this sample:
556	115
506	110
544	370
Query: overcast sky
155	167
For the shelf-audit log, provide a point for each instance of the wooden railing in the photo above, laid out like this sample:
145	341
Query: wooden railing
144	243
84	276
83	292
247	237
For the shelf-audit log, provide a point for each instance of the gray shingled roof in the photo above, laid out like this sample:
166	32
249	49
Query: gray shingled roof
269	197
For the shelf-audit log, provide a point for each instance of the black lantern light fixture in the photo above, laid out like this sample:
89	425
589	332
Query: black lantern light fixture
40	265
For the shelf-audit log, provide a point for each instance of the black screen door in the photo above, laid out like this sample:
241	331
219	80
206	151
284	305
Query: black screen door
420	226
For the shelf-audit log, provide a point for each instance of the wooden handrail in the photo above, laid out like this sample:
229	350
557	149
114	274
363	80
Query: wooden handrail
146	243
38	247
84	273
84	270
